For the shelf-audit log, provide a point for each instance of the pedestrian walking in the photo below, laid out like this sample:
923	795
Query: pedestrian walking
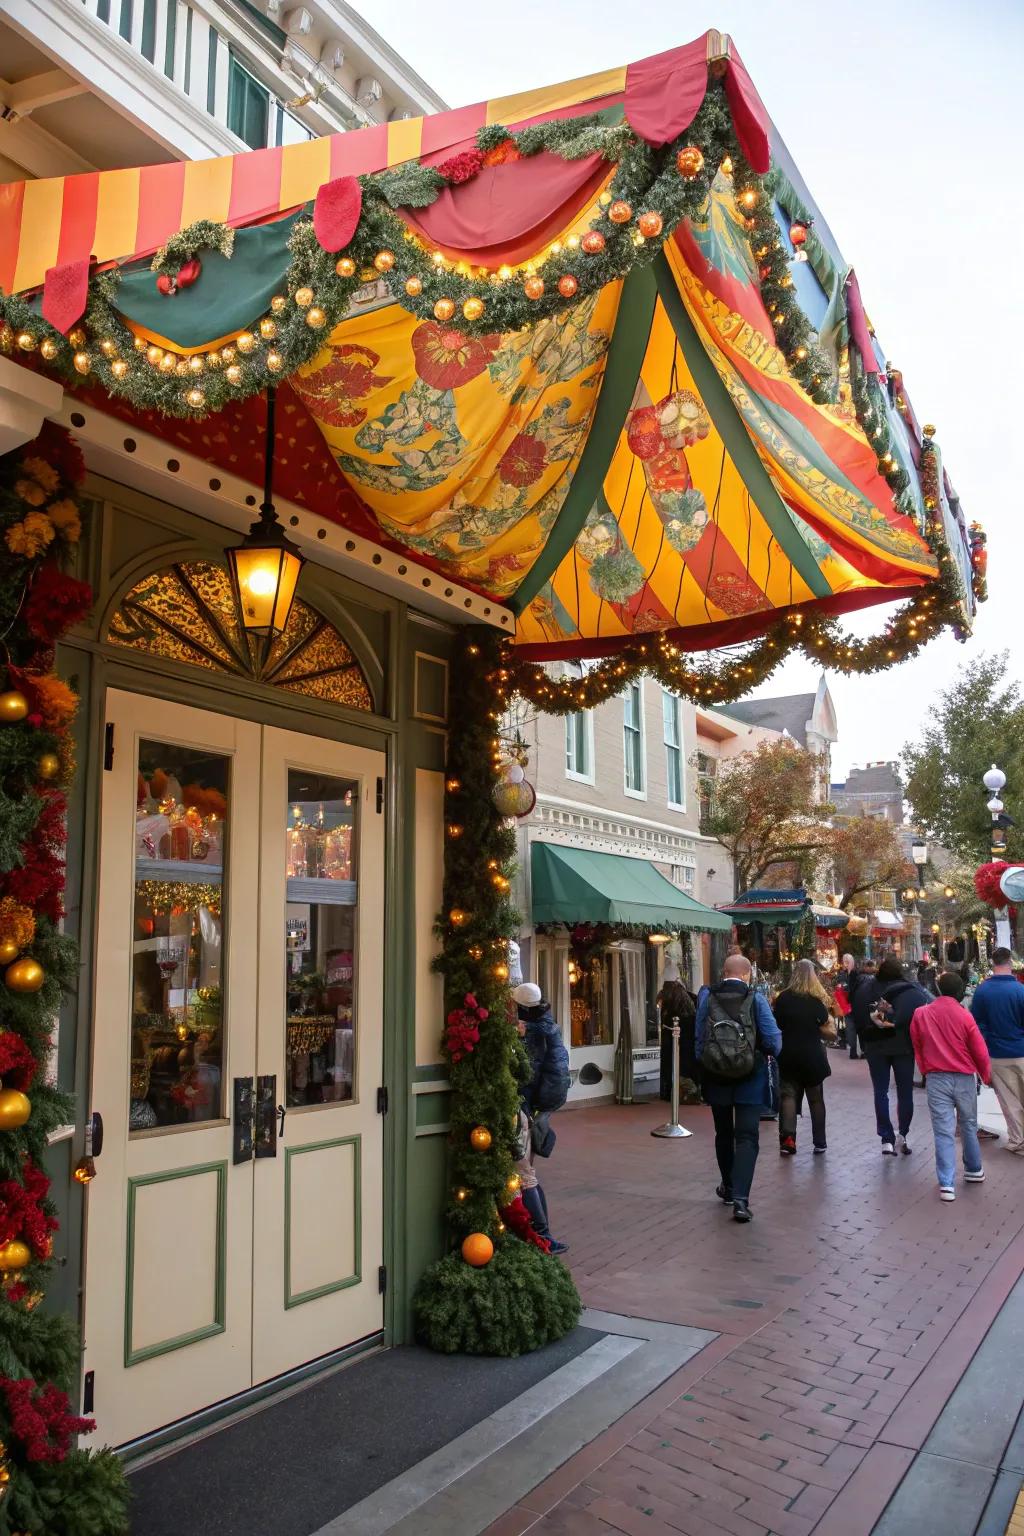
952	1056
802	1014
545	1091
863	998
887	1045
736	1035
677	1003
998	1007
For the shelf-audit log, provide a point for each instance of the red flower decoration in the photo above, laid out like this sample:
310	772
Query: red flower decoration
502	153
523	461
55	602
460	168
446	359
986	882
18	1066
41	1419
330	391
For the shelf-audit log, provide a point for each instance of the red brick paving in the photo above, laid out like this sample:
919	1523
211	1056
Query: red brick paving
849	1308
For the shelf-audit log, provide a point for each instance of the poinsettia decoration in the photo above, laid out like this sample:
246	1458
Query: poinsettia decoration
462	1034
447	358
41	1419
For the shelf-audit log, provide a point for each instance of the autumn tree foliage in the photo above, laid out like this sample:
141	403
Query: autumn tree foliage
766	811
864	852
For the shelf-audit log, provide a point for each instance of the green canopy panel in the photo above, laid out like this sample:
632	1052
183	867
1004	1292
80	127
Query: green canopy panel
577	885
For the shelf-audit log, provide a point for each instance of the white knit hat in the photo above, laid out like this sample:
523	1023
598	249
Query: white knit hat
527	995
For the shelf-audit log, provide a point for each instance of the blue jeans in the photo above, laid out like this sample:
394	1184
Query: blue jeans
953	1096
903	1072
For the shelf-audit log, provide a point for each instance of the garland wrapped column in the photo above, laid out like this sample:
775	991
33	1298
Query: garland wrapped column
495	1293
48	1486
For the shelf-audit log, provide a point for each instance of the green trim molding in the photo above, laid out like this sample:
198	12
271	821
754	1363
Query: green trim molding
297	1298
181	1340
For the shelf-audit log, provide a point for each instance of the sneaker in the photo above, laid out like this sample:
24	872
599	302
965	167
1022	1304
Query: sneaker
975	1178
819	1150
945	1193
724	1193
903	1146
557	1247
741	1211
888	1150
787	1146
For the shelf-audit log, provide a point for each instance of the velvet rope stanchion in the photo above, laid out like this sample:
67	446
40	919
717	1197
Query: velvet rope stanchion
48	1487
495	1293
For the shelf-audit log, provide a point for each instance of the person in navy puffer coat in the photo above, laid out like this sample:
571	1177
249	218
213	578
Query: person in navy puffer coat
543	1093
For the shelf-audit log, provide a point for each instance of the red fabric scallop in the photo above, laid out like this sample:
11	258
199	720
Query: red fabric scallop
664	92
336	212
64	293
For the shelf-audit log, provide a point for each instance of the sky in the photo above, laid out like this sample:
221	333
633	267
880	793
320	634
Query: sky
904	118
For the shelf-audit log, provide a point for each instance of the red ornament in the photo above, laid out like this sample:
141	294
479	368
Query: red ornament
188	274
689	162
593	242
798	233
620	212
166	285
534	287
567	285
650	225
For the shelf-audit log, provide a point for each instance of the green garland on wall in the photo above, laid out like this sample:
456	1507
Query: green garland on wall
521	1298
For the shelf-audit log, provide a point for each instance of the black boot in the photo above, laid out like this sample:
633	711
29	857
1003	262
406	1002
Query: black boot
724	1193
741	1211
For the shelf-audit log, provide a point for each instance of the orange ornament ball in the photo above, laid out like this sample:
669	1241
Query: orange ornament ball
689	162
477	1249
345	267
620	212
384	261
473	309
414	287
480	1138
534	287
650	225
593	242
567	285
444	309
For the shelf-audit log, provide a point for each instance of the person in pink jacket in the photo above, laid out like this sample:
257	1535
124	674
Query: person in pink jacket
952	1055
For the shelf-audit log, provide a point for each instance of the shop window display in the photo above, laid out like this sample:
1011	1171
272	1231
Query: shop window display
320	938
590	996
178	943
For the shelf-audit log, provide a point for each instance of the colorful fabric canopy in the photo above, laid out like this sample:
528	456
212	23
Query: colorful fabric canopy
673	423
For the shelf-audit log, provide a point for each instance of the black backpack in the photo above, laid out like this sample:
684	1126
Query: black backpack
730	1034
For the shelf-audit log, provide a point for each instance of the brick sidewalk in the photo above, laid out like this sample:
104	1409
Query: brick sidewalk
845	1309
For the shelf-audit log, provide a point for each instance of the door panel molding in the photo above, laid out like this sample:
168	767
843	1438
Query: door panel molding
218	1323
298	1298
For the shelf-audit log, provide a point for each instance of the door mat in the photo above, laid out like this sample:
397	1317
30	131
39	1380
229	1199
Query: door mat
296	1464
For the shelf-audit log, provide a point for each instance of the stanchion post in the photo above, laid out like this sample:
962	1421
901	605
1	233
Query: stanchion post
673	1129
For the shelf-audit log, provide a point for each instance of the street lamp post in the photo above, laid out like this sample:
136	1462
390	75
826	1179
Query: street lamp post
995	781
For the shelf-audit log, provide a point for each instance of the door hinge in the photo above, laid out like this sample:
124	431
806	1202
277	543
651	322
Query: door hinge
380	796
89	1394
108	746
382	1279
382	1101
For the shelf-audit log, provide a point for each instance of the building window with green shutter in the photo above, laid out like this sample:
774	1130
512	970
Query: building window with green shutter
248	107
673	734
579	746
633	741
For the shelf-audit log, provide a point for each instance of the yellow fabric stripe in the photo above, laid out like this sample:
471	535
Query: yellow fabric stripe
207	192
117	214
304	168
513	109
404	139
40	231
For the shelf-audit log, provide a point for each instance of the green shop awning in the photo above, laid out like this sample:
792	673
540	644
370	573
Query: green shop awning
577	885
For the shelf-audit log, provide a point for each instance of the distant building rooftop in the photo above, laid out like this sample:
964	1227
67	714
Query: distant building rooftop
874	779
789	713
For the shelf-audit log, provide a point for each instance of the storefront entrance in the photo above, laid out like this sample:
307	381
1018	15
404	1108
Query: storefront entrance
235	1226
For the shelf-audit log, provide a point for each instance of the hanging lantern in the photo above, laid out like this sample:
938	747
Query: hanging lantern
265	566
514	799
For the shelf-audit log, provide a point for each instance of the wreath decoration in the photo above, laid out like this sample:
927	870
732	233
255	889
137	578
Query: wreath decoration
177	262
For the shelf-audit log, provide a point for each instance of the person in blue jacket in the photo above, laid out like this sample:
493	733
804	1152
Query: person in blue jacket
998	1007
545	1091
737	1104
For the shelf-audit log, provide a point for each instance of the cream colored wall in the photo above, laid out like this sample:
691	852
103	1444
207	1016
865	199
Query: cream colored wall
428	890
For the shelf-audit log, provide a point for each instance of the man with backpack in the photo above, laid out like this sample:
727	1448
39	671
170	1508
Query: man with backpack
736	1033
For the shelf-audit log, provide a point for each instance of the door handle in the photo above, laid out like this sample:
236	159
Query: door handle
244	1120
267	1111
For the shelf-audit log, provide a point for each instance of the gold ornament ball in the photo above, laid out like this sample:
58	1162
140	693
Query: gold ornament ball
473	309
227	354
567	285
49	349
82	363
26	341
303	297
154	355
444	309
268	328
16	1254
168	362
689	162
620	212
15	1109
139	343
8	951
534	287
650	225
108	346
245	342
181	368
278	303
477	1249
233	374
13	707
384	261
119	368
275	362
316	318
196	363
77	337
48	765
196	399
480	1137
345	267
25	975
413	287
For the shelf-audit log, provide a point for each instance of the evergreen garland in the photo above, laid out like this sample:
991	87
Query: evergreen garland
51	1488
521	1300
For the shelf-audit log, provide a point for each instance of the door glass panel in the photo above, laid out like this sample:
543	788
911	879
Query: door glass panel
590	994
320	937
178	943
